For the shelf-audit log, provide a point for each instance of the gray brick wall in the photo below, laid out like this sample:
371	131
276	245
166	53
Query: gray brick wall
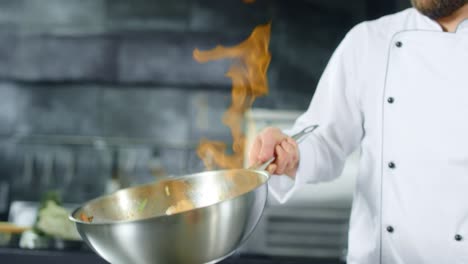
75	72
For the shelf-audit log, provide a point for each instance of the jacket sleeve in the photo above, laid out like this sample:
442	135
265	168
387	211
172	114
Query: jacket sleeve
336	109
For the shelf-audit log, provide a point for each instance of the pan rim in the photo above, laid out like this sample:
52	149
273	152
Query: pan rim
111	222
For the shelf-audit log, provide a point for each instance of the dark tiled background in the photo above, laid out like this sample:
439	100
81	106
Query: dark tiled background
94	89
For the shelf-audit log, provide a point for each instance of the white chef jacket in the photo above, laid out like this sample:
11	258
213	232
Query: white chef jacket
395	88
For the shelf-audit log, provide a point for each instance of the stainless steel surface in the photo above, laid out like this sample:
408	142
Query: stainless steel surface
297	137
213	213
264	165
198	218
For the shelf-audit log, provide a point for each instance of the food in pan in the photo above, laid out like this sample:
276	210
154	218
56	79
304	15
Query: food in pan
180	206
86	218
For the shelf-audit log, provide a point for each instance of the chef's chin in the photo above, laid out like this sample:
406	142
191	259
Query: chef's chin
436	9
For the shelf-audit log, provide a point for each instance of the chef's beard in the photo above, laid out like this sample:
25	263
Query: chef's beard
437	9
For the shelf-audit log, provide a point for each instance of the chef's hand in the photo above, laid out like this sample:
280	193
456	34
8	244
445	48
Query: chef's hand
271	142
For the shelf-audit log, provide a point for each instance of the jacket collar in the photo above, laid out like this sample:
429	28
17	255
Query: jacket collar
463	26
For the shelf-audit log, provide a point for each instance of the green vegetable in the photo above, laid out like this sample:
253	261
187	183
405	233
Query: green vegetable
53	221
50	196
142	205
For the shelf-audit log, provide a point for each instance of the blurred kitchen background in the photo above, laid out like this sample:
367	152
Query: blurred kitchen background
97	95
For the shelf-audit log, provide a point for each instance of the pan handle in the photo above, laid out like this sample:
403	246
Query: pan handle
297	137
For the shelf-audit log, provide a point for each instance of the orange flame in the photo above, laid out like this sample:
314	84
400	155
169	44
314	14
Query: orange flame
248	1
249	80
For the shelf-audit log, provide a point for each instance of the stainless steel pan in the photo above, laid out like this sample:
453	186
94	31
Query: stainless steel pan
198	218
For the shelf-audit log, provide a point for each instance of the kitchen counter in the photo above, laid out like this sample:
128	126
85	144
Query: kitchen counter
22	256
25	256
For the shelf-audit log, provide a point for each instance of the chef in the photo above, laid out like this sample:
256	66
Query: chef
396	89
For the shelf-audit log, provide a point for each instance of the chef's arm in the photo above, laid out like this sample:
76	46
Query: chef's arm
336	109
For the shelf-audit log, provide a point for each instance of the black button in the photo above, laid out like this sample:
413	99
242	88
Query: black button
390	100
390	229
399	44
391	165
458	237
